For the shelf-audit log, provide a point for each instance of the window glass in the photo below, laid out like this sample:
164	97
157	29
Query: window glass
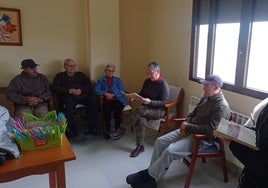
202	51
230	39
258	58
225	56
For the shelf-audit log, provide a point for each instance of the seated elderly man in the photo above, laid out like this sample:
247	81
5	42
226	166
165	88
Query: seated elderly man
154	93
30	90
74	87
180	143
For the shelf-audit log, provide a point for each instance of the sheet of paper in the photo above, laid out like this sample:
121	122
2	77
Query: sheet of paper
237	133
135	96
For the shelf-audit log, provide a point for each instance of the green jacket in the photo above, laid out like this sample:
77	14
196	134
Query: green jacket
206	116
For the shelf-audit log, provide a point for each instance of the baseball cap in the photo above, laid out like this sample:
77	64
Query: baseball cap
212	79
28	63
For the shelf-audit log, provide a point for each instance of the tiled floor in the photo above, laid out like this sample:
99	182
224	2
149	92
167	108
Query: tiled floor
105	164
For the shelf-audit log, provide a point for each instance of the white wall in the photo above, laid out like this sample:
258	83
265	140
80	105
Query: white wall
51	32
85	30
104	36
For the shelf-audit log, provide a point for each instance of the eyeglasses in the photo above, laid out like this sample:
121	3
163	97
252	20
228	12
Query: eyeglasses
110	70
70	65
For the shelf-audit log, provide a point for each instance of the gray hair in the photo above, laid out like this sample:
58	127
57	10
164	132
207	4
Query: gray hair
109	66
154	66
68	60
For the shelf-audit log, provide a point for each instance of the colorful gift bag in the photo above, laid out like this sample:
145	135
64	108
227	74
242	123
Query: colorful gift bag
33	133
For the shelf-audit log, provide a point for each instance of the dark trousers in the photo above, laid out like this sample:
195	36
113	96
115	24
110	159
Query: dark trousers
112	108
255	173
91	106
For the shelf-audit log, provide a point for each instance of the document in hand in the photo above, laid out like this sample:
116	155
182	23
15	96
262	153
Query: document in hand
231	130
135	96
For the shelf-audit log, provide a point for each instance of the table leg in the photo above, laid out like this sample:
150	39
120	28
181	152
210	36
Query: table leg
61	181
52	179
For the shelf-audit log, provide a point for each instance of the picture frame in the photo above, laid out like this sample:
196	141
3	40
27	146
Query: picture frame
10	27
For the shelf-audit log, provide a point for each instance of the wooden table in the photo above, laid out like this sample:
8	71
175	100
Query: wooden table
41	161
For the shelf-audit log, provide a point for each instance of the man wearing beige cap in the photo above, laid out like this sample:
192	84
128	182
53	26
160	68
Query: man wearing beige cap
30	90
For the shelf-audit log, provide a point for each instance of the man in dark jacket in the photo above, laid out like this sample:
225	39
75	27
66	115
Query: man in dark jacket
74	87
30	90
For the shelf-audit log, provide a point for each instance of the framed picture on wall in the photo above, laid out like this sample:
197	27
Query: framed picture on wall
10	27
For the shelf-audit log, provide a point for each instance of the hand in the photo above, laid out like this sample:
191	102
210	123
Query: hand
75	91
182	129
109	96
146	101
32	101
227	141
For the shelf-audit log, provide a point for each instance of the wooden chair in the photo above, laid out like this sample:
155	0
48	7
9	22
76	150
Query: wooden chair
10	104
4	102
216	150
173	107
59	106
127	110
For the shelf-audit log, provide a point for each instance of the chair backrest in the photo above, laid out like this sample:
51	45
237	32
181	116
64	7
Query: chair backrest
175	95
3	100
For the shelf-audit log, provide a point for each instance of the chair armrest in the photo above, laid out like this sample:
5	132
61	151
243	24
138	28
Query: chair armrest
51	103
12	108
201	136
178	119
168	105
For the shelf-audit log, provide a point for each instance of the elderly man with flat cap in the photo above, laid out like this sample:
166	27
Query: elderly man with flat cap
30	90
180	143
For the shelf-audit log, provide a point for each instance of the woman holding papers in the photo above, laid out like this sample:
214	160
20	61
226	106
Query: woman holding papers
255	172
112	90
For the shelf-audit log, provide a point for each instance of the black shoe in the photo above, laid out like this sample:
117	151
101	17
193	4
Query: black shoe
139	149
118	134
147	184
138	177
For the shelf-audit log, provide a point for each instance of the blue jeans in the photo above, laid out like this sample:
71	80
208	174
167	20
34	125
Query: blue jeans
91	106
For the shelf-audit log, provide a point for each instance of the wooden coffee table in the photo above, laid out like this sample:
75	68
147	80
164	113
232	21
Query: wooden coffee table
41	161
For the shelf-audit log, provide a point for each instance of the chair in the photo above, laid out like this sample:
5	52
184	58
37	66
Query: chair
127	110
173	107
10	105
59	106
216	150
4	102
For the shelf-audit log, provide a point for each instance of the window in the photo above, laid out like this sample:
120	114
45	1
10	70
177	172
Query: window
229	38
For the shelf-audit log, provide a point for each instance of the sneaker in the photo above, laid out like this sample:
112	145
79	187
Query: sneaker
117	134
